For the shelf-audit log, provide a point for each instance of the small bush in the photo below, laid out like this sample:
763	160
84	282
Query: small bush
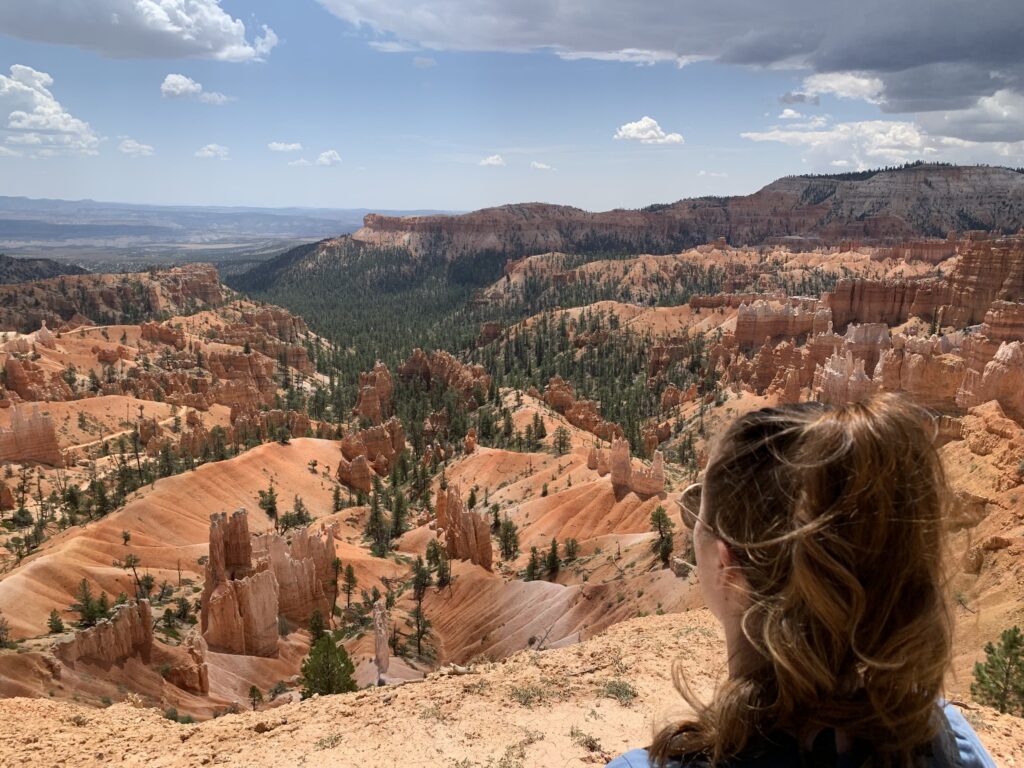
620	690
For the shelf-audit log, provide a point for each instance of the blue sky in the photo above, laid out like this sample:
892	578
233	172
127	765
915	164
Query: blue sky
468	103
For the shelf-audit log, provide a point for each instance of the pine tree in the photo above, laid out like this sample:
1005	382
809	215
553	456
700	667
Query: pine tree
268	502
662	525
399	513
316	626
349	584
572	548
552	561
377	528
255	697
336	502
562	441
327	669
508	539
55	624
532	566
421	580
421	627
999	681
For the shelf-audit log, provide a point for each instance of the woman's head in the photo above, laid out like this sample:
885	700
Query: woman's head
819	544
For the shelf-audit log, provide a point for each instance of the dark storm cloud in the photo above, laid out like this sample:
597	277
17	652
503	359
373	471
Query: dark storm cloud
930	55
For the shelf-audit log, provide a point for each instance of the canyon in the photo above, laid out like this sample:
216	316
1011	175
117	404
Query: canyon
215	468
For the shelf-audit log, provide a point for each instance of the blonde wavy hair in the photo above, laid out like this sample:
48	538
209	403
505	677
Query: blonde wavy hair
835	517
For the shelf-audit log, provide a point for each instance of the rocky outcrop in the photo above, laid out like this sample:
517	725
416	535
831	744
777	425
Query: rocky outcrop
842	380
988	270
300	591
32	437
239	608
242	380
128	632
617	463
31	382
929	369
163	333
276	322
357	473
467	533
1001	380
469	444
794	319
375	392
303	568
188	669
374	447
472	382
71	300
584	414
861	300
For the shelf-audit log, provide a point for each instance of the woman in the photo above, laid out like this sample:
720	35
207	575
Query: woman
818	539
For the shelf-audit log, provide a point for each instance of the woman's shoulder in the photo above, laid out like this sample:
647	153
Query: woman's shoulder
970	752
636	758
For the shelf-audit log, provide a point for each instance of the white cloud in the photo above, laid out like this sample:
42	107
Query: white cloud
5	152
789	114
845	85
873	142
493	160
281	146
840	163
35	117
215	98
177	86
265	43
330	157
647	131
537	166
213	150
713	174
301	162
638	56
424	62
133	148
393	46
158	29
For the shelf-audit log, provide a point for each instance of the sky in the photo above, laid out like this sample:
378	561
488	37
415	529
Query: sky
463	104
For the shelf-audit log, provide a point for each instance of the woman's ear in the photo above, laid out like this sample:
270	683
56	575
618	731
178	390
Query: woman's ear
730	575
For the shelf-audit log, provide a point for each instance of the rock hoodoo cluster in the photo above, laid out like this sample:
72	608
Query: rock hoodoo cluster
616	462
472	382
467	533
239	606
250	581
32	436
370	450
584	414
375	391
128	632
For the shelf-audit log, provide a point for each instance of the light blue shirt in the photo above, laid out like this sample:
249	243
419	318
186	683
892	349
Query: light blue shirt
970	750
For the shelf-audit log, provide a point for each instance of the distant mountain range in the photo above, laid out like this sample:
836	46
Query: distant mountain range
914	202
113	236
14	270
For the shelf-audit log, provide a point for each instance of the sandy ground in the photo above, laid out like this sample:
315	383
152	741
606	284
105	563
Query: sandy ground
556	707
